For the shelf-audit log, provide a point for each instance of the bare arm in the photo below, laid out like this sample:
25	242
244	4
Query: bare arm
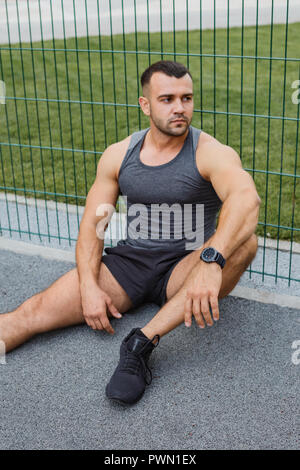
104	192
237	222
89	247
235	187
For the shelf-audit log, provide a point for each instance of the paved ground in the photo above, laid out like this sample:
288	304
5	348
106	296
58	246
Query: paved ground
233	386
75	13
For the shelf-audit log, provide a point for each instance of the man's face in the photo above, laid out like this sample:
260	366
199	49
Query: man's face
169	103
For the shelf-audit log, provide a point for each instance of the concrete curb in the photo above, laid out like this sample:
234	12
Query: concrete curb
283	245
30	249
62	255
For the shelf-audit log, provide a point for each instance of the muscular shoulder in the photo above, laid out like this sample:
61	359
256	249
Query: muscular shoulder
221	165
111	159
212	156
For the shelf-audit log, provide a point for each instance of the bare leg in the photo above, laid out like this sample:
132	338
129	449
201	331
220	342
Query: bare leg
172	313
56	307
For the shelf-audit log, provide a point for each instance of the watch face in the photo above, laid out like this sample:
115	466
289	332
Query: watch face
209	254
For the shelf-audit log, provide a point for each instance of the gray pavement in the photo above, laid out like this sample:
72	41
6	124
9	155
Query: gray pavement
33	19
232	386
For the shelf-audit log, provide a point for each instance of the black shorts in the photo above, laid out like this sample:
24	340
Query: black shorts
142	273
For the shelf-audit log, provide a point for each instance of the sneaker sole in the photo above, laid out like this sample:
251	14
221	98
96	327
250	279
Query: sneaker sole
120	402
124	403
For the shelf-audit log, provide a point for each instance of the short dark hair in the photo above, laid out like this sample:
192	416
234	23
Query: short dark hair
168	67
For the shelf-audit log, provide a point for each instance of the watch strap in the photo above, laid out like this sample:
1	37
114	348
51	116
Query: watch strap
220	260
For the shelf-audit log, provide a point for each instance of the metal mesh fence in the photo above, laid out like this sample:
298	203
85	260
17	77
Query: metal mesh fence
71	73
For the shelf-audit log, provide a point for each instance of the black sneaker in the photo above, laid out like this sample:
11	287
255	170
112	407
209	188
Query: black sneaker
132	374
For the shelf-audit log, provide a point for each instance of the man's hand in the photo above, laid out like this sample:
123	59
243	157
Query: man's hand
203	285
96	304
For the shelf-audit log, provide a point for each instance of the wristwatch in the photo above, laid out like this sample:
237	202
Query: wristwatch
211	255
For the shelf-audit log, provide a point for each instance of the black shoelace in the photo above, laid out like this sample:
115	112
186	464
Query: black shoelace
133	361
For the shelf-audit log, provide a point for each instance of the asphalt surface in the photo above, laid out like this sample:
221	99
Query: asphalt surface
232	386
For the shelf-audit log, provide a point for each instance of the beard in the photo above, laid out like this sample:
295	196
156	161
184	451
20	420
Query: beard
170	129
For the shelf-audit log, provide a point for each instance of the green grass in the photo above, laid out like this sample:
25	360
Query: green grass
222	85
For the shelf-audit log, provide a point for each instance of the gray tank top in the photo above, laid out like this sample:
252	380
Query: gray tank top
169	206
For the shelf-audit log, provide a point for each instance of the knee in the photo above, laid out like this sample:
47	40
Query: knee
251	246
248	251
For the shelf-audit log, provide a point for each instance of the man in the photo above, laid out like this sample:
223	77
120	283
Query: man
171	162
